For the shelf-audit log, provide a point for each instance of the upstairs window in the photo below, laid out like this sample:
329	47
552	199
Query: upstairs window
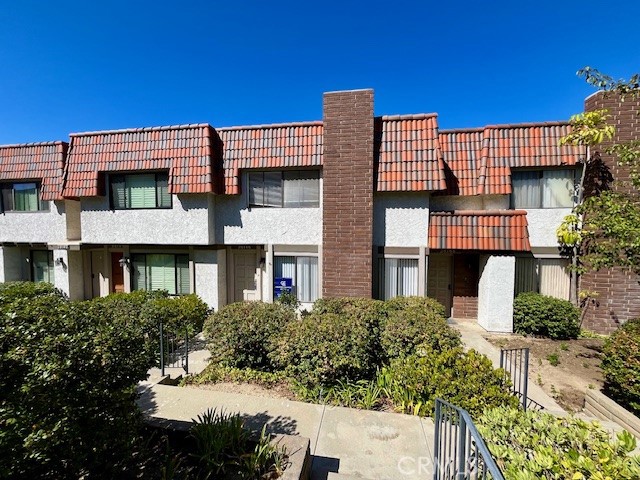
542	188
159	271
135	191
285	189
21	197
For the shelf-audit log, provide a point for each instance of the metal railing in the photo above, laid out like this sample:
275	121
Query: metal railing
459	450
174	350
515	363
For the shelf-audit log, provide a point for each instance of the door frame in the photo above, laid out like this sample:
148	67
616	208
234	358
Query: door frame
449	256
231	281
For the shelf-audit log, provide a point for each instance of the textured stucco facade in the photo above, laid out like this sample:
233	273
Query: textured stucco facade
68	273
34	227
495	292
210	276
188	222
400	219
543	223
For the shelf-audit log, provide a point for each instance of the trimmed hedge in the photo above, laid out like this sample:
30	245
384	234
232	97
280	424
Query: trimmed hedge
243	334
536	314
621	365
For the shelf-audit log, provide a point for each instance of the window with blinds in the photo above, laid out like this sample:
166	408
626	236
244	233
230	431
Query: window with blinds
288	189
548	276
303	271
159	271
42	266
542	188
21	197
135	191
397	277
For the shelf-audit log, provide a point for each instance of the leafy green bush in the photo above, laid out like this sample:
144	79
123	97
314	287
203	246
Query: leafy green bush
536	445
68	380
243	334
323	349
415	321
536	314
466	379
621	365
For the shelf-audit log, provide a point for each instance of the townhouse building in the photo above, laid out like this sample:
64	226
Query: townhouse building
353	205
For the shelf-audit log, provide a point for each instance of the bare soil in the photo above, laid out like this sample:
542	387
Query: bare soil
577	368
277	391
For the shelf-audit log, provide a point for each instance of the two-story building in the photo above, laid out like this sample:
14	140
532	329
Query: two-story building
353	205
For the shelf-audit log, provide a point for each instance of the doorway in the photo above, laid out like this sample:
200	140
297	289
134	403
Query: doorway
439	280
117	273
244	278
98	274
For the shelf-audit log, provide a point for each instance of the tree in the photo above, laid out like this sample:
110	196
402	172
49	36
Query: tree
604	229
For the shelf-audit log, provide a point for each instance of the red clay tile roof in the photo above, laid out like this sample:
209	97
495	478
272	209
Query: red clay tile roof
43	162
269	146
409	157
485	230
184	150
494	150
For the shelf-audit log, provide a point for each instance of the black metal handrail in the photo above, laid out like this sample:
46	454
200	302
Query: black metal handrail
174	351
515	363
459	450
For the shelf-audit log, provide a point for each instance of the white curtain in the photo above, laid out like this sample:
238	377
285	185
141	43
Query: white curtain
301	188
307	279
526	275
400	277
557	188
554	277
526	189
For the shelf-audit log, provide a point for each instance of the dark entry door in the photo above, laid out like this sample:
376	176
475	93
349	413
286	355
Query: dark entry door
117	273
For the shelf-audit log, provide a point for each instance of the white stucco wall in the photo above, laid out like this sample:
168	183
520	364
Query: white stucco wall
495	292
34	227
476	202
210	277
400	219
187	223
68	274
543	223
236	224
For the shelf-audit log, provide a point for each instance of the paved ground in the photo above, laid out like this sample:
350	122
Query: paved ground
365	444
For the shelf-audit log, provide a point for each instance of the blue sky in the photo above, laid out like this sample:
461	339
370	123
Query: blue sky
70	66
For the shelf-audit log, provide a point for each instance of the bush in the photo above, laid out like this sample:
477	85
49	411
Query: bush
415	321
466	379
323	349
68	387
621	365
536	445
536	314
243	334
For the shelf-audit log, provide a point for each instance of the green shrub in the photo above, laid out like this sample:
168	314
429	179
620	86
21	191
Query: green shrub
466	379
68	381
324	349
536	445
621	365
415	321
243	334
536	314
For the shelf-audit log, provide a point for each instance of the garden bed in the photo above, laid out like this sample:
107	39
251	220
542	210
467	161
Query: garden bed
565	369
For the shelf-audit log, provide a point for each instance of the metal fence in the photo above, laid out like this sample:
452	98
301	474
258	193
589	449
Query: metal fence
459	450
515	363
174	350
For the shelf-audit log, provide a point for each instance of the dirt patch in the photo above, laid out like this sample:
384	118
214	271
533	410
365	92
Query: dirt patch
565	369
275	391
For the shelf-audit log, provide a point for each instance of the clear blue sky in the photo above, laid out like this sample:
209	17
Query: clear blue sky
70	66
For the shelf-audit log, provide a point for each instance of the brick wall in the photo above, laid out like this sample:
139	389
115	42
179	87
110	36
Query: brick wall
619	298
347	199
465	285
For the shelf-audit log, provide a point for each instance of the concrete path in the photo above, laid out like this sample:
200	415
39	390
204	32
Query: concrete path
472	337
365	444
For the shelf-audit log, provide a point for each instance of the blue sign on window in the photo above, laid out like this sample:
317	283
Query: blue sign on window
280	285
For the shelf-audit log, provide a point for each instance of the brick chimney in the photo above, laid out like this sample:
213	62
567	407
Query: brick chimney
347	198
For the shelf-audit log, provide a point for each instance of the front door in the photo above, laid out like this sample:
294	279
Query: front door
117	273
244	265
98	274
439	280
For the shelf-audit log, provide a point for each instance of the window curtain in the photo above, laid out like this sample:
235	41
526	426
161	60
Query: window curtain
118	189
557	188
554	277
163	199
301	188
161	272
7	198
307	278
526	189
183	275
526	275
141	191
42	266
400	277
25	197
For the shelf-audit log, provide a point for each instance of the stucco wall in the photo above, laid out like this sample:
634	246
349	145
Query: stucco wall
495	292
210	276
236	224
400	219
68	274
34	227
543	223
187	223
477	202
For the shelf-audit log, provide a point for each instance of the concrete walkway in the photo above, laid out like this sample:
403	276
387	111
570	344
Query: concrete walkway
365	444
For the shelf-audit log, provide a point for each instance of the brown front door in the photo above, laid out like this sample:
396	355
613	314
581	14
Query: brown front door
117	273
439	280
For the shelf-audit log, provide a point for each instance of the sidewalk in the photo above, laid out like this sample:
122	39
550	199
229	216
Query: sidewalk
366	444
